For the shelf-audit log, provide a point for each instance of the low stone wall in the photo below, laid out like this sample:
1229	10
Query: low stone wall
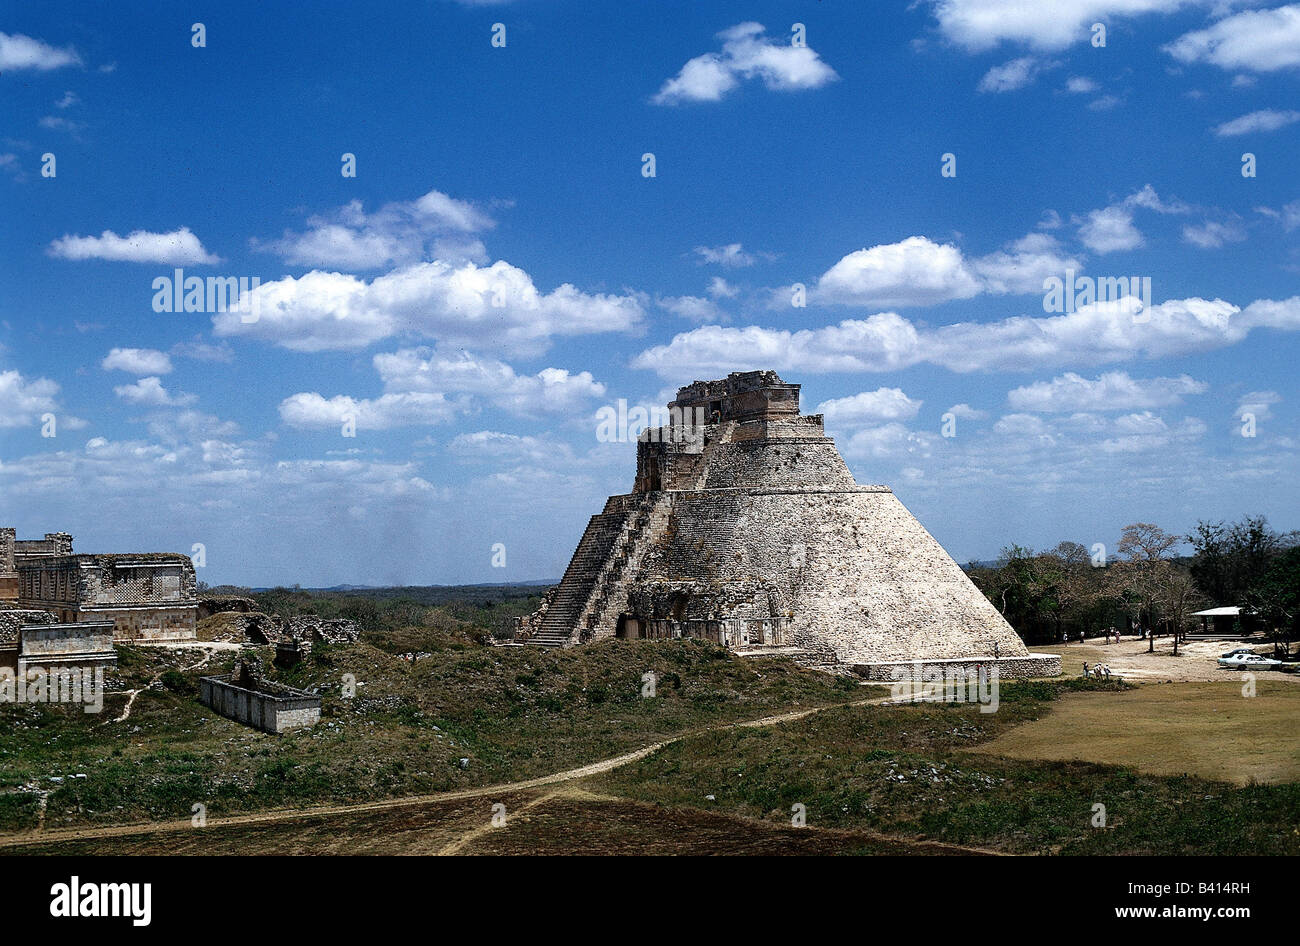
1009	668
82	643
271	708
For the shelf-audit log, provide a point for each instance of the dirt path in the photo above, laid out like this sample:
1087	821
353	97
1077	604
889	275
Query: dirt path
209	653
563	799
291	814
455	847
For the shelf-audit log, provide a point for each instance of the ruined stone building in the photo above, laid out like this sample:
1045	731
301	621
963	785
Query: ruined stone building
745	527
30	639
146	596
15	551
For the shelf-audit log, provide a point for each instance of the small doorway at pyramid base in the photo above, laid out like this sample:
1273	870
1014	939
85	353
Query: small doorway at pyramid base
629	628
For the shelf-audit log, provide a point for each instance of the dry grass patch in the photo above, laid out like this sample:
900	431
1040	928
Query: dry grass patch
1204	729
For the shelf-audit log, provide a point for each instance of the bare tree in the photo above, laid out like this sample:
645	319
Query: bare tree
1177	597
1141	577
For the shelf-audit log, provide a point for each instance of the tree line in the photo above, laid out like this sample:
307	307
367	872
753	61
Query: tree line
1071	589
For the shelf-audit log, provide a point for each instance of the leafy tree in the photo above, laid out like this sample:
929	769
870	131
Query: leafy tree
1229	559
1042	593
1078	587
1276	598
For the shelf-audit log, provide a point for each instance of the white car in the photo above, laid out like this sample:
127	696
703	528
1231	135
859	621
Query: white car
1250	662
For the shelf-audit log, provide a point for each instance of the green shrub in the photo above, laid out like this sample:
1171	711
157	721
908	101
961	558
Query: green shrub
178	683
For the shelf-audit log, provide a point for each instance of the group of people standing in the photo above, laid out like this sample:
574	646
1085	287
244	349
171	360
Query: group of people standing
1112	634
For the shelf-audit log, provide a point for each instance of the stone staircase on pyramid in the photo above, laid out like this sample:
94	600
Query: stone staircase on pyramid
593	591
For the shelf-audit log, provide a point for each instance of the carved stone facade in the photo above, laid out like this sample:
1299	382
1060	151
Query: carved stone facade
147	596
750	530
30	639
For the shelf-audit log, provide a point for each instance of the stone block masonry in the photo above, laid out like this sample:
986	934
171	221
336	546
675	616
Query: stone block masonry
750	530
261	704
86	644
1009	668
147	596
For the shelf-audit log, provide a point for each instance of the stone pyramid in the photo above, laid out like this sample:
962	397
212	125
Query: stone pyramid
746	527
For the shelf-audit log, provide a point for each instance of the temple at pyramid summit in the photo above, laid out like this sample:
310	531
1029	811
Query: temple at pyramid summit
745	527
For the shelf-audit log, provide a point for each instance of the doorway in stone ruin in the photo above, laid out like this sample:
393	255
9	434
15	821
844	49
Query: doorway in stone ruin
628	628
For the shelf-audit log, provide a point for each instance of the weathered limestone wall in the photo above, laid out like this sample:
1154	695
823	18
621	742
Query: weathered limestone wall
146	623
11	621
801	464
8	570
312	627
859	573
270	708
54	544
66	645
217	604
148	596
55	640
1009	668
131	580
54	583
741	396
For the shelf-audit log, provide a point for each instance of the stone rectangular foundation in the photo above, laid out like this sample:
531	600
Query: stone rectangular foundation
269	707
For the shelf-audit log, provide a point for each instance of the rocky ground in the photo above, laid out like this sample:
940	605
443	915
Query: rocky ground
1195	663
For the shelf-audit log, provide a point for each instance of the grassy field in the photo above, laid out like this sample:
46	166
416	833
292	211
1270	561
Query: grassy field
562	821
1171	763
910	771
1204	729
464	715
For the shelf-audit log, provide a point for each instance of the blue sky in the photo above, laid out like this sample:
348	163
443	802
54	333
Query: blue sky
500	267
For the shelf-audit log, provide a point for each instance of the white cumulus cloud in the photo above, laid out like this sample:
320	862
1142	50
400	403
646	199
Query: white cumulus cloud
468	305
912	272
24	400
1112	391
150	392
982	24
1254	40
1267	119
23	52
312	410
746	53
178	247
732	254
882	404
1110	229
919	272
1010	76
397	233
137	361
1093	334
550	391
